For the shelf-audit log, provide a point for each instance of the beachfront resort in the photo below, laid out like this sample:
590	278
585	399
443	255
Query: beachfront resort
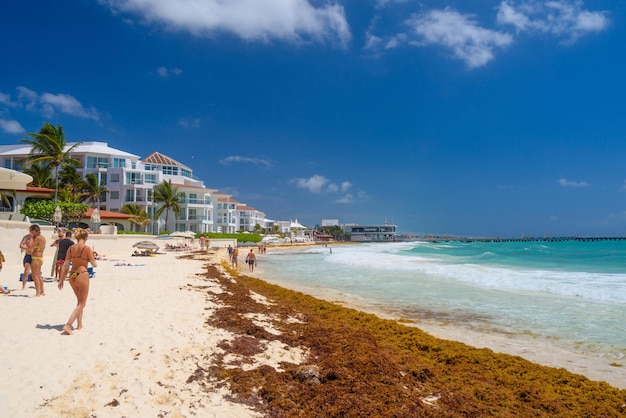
131	180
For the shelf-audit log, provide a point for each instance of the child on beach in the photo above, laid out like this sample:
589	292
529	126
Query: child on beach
80	256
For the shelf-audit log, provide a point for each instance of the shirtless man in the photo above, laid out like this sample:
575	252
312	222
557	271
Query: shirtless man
25	246
251	260
37	246
55	243
233	257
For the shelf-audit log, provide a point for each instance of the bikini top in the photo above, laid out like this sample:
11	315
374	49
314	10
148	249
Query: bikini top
79	255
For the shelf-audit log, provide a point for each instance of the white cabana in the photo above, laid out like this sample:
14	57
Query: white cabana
13	180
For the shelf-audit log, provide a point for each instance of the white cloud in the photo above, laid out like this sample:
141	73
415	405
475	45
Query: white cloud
288	20
64	103
569	183
49	104
383	3
348	198
314	184
561	18
460	33
166	72
319	184
5	99
240	159
11	126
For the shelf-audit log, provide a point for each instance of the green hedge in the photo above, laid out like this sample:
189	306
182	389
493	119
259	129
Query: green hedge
238	237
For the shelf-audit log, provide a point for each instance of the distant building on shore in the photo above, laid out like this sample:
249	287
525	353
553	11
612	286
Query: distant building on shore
370	233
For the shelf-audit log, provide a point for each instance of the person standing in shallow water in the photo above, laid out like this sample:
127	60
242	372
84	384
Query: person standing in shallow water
36	248
80	256
251	260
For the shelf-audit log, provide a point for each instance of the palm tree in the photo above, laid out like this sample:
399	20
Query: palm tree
4	198
41	174
168	195
48	147
140	216
93	190
71	183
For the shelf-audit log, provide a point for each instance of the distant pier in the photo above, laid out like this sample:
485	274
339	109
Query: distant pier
529	239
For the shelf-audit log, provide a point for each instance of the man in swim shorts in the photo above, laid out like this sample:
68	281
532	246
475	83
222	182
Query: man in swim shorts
28	259
37	247
63	245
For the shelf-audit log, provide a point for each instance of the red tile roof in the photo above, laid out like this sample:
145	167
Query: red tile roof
105	214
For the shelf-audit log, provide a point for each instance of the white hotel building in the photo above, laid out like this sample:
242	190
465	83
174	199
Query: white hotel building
131	180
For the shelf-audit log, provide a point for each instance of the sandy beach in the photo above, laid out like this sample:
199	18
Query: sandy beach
159	339
144	335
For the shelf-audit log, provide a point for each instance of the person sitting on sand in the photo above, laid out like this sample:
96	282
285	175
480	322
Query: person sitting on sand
2	289
79	255
251	260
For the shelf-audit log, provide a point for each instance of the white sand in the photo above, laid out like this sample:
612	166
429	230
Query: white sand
143	336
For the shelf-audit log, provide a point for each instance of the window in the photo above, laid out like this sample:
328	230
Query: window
150	178
97	162
133	178
115	178
115	195
193	198
129	196
103	179
171	170
186	173
119	162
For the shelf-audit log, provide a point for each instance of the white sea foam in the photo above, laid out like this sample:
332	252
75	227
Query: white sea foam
580	307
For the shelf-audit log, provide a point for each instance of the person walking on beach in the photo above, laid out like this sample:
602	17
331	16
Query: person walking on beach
27	260
63	245
2	289
233	257
79	255
55	243
230	252
36	248
251	260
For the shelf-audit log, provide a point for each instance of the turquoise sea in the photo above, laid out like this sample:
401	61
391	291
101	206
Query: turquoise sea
570	293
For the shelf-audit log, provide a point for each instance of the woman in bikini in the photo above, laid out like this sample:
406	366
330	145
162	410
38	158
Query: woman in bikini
79	256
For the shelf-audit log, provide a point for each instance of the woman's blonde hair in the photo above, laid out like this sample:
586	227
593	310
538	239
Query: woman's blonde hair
80	233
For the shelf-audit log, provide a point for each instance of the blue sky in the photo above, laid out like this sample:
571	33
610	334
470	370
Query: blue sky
489	117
